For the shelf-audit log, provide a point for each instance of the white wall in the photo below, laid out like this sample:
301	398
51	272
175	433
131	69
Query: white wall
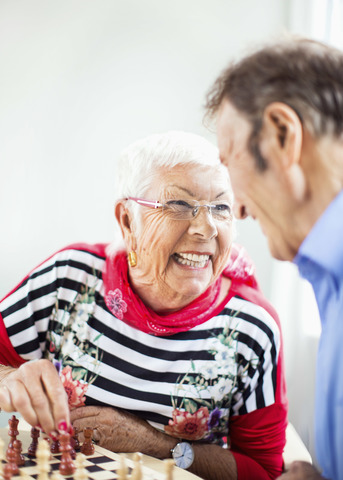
80	80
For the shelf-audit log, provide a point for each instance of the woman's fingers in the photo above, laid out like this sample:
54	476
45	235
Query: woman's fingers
36	392
5	399
58	399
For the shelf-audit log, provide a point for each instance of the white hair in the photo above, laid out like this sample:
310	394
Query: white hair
141	161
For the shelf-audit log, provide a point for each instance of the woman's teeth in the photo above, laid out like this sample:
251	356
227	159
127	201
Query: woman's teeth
192	259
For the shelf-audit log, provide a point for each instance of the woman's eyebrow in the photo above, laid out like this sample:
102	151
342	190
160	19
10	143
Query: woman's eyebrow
192	194
184	189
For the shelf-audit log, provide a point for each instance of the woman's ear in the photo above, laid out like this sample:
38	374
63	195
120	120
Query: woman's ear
124	219
281	135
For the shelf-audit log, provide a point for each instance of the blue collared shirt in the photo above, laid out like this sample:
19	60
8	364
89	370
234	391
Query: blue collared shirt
320	261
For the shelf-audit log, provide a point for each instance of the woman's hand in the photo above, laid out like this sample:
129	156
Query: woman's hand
120	431
36	392
301	471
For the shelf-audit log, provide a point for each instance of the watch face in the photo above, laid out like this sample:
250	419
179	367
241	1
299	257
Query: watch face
183	455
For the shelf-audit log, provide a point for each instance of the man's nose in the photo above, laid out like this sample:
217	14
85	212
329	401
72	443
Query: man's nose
239	211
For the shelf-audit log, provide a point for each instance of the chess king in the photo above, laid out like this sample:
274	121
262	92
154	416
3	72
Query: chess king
161	342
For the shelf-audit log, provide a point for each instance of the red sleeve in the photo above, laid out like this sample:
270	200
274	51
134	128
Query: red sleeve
257	442
8	356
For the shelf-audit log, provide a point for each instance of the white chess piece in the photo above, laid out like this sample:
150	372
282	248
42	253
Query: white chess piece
169	467
122	470
2	455
81	471
137	469
43	456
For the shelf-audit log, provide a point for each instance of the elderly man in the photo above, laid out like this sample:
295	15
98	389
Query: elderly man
279	118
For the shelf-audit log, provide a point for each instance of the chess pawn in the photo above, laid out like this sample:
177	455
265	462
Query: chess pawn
137	469
13	467
55	446
19	458
12	432
74	441
43	457
81	471
35	432
67	466
169	467
2	456
87	446
122	469
7	472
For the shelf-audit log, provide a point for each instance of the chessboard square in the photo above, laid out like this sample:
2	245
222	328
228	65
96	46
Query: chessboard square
100	459
29	470
102	475
29	462
109	465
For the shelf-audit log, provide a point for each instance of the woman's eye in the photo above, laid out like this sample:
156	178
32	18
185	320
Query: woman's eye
178	203
222	208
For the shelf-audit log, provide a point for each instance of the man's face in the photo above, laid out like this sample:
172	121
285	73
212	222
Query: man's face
260	194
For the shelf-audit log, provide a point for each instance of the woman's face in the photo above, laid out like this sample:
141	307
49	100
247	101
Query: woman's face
178	259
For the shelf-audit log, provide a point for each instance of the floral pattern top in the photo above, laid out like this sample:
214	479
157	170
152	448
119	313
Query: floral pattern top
189	385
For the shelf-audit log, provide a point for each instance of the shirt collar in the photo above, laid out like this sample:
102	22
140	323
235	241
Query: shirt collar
324	244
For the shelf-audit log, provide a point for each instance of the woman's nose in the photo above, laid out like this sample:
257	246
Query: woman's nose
203	224
239	211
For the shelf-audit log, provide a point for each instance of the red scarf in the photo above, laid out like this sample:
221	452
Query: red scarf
126	305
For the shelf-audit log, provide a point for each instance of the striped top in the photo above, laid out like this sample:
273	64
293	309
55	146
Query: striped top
189	384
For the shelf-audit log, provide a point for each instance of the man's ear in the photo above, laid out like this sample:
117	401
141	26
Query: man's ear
281	135
124	219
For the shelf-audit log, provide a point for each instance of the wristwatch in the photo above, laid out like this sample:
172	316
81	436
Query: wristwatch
183	454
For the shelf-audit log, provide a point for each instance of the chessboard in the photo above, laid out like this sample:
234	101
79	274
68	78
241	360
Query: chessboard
101	465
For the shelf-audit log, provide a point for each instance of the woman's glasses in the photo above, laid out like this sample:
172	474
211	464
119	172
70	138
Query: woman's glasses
187	210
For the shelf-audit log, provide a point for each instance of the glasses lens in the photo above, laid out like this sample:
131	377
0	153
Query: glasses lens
221	211
178	209
182	210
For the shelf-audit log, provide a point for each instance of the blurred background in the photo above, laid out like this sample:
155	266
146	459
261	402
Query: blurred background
82	79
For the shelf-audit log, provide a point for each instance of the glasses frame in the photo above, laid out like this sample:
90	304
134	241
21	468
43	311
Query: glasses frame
157	204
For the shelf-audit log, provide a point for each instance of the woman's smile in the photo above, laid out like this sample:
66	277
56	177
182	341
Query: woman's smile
192	260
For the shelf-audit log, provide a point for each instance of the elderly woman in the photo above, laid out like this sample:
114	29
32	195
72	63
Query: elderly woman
164	345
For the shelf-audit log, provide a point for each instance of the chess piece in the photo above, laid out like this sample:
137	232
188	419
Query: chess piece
122	469
2	456
87	447
75	443
13	467
19	458
55	446
7	473
12	431
43	456
81	471
35	432
169	467
67	466
137	469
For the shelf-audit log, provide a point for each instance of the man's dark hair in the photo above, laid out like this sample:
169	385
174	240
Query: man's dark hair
305	74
